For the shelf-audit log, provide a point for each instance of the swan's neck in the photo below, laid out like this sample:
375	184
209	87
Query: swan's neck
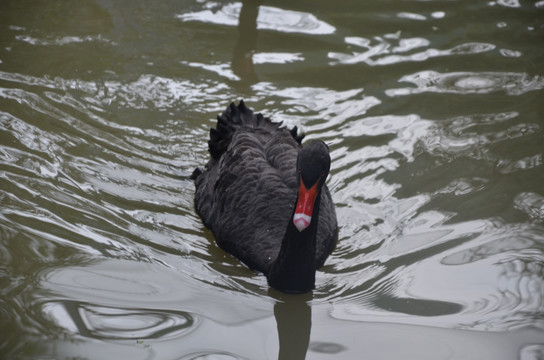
294	268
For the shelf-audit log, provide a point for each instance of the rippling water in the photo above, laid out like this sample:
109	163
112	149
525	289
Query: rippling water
433	112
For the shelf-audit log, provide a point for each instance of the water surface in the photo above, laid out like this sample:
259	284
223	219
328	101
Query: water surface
433	113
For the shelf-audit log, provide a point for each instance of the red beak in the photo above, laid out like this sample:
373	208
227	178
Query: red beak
305	206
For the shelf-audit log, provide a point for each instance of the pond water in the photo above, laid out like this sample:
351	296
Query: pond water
434	114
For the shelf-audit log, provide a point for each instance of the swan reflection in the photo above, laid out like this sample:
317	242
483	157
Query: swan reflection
293	315
242	56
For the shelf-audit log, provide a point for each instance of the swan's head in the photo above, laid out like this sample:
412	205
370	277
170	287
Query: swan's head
313	165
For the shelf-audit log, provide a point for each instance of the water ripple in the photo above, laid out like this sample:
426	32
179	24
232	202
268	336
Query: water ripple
469	83
48	165
531	203
64	40
390	48
462	256
320	109
102	322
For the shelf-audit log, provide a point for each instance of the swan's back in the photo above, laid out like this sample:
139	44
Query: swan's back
247	191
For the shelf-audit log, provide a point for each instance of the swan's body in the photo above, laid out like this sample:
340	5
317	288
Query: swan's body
247	195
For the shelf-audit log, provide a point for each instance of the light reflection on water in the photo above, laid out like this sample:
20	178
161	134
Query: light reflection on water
438	187
269	18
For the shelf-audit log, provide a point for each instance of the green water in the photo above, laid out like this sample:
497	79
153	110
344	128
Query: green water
433	111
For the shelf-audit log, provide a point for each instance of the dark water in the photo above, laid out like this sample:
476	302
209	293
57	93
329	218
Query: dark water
434	114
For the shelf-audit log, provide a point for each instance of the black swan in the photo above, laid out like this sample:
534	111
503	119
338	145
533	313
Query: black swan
264	198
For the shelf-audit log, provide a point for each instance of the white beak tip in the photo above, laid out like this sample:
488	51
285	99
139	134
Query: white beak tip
301	221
